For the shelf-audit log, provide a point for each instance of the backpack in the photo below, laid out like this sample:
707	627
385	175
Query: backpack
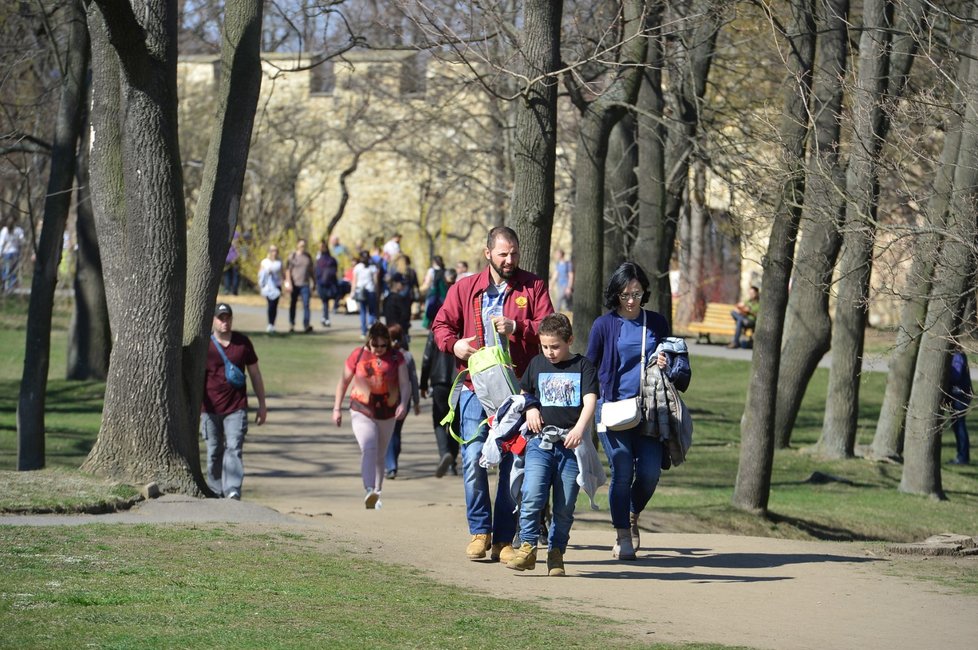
493	381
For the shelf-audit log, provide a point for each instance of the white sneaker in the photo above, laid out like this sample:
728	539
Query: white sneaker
371	499
234	495
270	329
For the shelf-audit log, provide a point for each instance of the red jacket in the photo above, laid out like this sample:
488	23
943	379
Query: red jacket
527	302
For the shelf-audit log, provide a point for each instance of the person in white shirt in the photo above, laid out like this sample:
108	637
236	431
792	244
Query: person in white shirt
11	241
270	284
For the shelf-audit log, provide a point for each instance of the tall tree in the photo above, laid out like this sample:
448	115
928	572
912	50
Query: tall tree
888	439
953	273
535	145
89	335
37	357
599	117
807	327
155	378
753	484
669	123
862	200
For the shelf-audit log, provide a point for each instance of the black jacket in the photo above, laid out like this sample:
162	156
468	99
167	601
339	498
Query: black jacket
437	367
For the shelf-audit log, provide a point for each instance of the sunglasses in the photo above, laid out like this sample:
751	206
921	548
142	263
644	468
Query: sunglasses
634	295
380	344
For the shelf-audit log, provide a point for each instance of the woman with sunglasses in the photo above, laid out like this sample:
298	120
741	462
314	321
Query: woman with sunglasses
615	348
380	396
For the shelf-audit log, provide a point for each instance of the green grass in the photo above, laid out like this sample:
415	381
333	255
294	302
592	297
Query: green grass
229	586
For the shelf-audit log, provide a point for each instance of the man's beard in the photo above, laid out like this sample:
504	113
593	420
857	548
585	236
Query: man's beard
505	275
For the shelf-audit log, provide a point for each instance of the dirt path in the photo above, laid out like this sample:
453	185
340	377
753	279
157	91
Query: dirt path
757	592
743	591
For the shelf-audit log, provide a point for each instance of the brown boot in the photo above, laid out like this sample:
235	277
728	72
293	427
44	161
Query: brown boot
636	533
476	550
525	558
555	563
502	553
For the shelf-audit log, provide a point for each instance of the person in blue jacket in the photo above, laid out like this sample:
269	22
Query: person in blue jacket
615	349
959	396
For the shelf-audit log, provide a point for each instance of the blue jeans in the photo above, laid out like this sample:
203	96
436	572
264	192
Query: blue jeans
959	425
478	505
304	293
741	323
636	464
394	448
368	311
542	468
224	435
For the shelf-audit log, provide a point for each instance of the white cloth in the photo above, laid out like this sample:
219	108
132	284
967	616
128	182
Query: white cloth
365	277
270	278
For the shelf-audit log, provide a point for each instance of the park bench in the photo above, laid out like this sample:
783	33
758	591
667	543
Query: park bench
716	320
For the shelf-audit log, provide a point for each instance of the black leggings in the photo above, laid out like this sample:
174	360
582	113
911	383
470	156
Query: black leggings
272	310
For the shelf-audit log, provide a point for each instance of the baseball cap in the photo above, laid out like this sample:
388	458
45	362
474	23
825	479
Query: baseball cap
222	308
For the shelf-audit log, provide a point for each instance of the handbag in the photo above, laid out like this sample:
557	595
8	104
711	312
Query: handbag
360	294
626	413
232	373
621	415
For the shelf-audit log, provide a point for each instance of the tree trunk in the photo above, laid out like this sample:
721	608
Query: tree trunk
888	440
33	385
535	155
216	215
89	336
689	64
137	193
807	327
753	484
150	414
599	117
949	294
862	190
654	235
622	191
692	250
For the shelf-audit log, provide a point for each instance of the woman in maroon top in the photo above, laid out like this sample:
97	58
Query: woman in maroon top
380	396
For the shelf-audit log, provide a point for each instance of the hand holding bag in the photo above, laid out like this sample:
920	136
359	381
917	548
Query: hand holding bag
626	413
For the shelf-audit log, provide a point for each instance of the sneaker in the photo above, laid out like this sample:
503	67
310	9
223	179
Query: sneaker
308	329
957	461
270	329
324	323
291	328
443	465
476	550
391	473
555	563
502	553
525	558
234	494
370	500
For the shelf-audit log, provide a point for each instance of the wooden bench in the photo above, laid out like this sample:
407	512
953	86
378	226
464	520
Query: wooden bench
717	320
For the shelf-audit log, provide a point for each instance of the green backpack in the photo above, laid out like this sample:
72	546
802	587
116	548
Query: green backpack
493	380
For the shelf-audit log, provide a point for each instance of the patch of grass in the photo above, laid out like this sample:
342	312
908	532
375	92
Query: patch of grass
225	586
60	490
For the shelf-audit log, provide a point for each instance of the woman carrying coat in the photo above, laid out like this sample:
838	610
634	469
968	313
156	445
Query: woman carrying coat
615	349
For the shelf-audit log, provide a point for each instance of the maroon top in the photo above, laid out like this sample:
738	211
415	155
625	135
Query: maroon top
526	301
220	397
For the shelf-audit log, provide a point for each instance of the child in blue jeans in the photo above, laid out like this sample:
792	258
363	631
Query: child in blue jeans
566	386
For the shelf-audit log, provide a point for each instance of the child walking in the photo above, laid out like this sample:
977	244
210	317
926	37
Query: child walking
566	385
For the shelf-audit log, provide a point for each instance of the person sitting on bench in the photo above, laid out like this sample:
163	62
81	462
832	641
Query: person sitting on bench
745	315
